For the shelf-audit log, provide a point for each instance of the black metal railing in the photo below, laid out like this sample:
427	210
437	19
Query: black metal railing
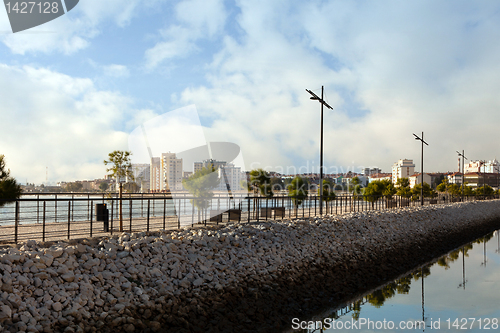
72	215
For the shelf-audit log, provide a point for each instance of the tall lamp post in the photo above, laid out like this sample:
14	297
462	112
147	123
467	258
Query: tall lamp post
422	177
315	97
463	173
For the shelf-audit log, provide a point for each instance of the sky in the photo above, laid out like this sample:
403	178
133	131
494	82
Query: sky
74	89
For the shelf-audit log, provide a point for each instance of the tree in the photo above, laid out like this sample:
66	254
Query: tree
201	185
403	187
121	167
481	190
103	186
298	191
443	187
74	187
374	191
428	192
469	191
10	190
261	180
328	192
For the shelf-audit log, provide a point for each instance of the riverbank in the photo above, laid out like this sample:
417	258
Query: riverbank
241	277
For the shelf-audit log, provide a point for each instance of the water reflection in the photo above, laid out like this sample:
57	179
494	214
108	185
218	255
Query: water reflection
452	295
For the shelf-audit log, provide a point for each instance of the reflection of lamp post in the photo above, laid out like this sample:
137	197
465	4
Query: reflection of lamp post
484	253
463	172
463	270
422	177
315	97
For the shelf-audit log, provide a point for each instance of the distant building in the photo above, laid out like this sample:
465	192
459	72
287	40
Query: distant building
155	175
402	169
209	163
373	171
478	179
171	169
380	176
417	179
455	178
142	175
482	166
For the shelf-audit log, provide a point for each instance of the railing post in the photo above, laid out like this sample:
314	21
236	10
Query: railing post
248	197
37	209
91	214
43	221
112	204
69	217
55	208
16	223
130	213
147	223
179	214
165	211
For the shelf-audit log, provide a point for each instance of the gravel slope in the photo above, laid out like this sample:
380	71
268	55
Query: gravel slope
241	277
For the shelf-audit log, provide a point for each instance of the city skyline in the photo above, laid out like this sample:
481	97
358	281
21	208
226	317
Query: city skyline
73	89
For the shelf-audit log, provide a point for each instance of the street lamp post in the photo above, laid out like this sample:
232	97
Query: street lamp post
463	172
315	97
422	177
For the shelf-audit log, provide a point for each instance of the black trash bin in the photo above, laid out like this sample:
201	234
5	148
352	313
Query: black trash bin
102	214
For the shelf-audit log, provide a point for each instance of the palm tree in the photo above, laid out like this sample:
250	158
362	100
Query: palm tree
121	168
298	191
201	185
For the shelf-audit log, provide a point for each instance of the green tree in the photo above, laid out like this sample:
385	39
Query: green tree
428	192
328	192
121	167
469	191
403	187
374	191
74	187
261	180
481	190
454	189
298	191
443	187
103	186
10	190
201	185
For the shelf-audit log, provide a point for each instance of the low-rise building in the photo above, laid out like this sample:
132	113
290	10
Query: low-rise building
417	179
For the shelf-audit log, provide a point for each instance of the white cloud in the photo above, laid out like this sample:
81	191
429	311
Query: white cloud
56	121
74	30
420	66
114	70
197	19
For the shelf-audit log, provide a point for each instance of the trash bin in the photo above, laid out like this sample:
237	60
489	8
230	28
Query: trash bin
102	214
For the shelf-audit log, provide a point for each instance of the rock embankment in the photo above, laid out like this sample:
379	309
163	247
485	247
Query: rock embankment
252	276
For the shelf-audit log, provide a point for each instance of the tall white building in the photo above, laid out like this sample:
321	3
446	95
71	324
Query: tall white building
171	169
155	175
230	175
402	169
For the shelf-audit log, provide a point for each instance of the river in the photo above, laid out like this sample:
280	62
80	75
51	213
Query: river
457	292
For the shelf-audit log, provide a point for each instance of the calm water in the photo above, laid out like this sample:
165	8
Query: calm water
456	294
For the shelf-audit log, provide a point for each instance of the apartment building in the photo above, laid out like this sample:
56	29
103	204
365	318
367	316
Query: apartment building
402	169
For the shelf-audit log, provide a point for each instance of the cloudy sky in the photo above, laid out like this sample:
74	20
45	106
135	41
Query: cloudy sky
73	89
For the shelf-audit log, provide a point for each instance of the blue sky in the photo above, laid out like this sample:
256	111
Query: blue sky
73	89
